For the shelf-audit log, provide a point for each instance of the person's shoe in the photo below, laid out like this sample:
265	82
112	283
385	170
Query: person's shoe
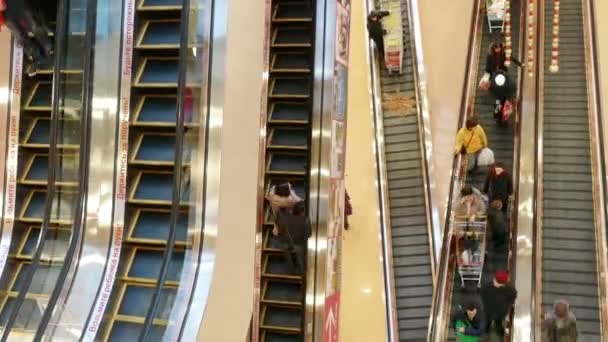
31	70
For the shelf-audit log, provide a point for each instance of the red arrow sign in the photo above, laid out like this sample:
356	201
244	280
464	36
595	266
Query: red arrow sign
332	317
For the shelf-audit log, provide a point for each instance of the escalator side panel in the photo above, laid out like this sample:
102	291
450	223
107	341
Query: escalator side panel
569	268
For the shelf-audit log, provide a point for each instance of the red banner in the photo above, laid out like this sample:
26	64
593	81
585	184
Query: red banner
332	318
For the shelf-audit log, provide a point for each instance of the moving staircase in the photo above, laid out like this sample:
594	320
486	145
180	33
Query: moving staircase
152	148
411	247
287	159
569	265
35	124
501	141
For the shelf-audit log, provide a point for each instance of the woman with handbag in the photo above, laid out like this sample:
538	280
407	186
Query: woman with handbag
470	141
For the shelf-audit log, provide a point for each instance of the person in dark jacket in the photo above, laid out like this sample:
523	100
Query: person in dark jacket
376	31
497	222
497	297
496	58
294	231
20	18
504	89
499	185
348	209
468	323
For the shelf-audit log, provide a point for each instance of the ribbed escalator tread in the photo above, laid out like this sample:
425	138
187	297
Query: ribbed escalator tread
569	260
410	237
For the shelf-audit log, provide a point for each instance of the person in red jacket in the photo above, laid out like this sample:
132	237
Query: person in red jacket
18	16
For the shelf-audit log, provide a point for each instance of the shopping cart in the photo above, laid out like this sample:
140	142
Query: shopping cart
496	11
470	248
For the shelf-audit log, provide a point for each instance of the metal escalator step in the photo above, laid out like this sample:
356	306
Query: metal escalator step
152	188
565	266
136	300
288	164
38	134
275	266
293	62
404	251
566	187
290	87
280	291
160	34
152	226
401	147
580	278
146	262
282	318
405	183
571	150
400	165
409	221
413	240
36	170
288	138
127	331
574	214
292	12
405	193
574	169
154	149
414	326
566	223
157	72
156	110
410	260
55	247
275	336
62	207
576	302
43	281
414	280
292	37
160	5
561	250
28	317
566	204
585	235
401	129
566	128
395	139
289	112
414	172
406	202
568	290
414	291
412	157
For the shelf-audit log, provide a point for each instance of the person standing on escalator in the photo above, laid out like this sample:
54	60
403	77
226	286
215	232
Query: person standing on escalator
20	18
376	31
497	73
294	231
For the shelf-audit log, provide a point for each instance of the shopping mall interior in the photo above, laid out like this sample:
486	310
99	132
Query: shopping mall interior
303	170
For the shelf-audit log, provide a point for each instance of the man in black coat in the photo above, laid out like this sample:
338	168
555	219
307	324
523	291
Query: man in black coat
20	17
376	31
294	231
497	297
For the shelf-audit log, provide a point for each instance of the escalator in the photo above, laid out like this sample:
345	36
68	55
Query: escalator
411	248
287	159
24	273
150	186
569	265
451	294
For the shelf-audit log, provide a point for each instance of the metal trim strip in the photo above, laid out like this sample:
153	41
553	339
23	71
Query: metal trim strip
259	233
424	134
120	176
597	162
201	255
12	152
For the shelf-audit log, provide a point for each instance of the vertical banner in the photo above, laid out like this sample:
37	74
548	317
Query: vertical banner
336	188
12	159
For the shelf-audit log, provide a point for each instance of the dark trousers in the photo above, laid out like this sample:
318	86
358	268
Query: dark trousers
498	321
294	257
20	19
379	41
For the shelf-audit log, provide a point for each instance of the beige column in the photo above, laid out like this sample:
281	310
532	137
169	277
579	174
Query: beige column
230	304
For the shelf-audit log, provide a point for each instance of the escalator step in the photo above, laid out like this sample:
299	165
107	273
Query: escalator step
28	317
155	148
292	87
276	266
61	210
157	110
147	262
38	134
291	164
292	37
290	62
289	112
292	12
156	188
136	301
283	292
40	97
155	224
274	336
43	281
160	5
37	169
282	318
125	331
158	72
288	138
160	34
56	245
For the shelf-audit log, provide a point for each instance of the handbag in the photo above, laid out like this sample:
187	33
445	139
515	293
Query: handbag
485	157
507	110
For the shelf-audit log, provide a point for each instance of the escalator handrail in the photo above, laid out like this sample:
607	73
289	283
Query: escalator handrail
438	309
80	210
177	177
383	197
55	116
597	159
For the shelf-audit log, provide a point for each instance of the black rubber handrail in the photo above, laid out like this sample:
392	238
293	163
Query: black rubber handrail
177	177
53	164
80	209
